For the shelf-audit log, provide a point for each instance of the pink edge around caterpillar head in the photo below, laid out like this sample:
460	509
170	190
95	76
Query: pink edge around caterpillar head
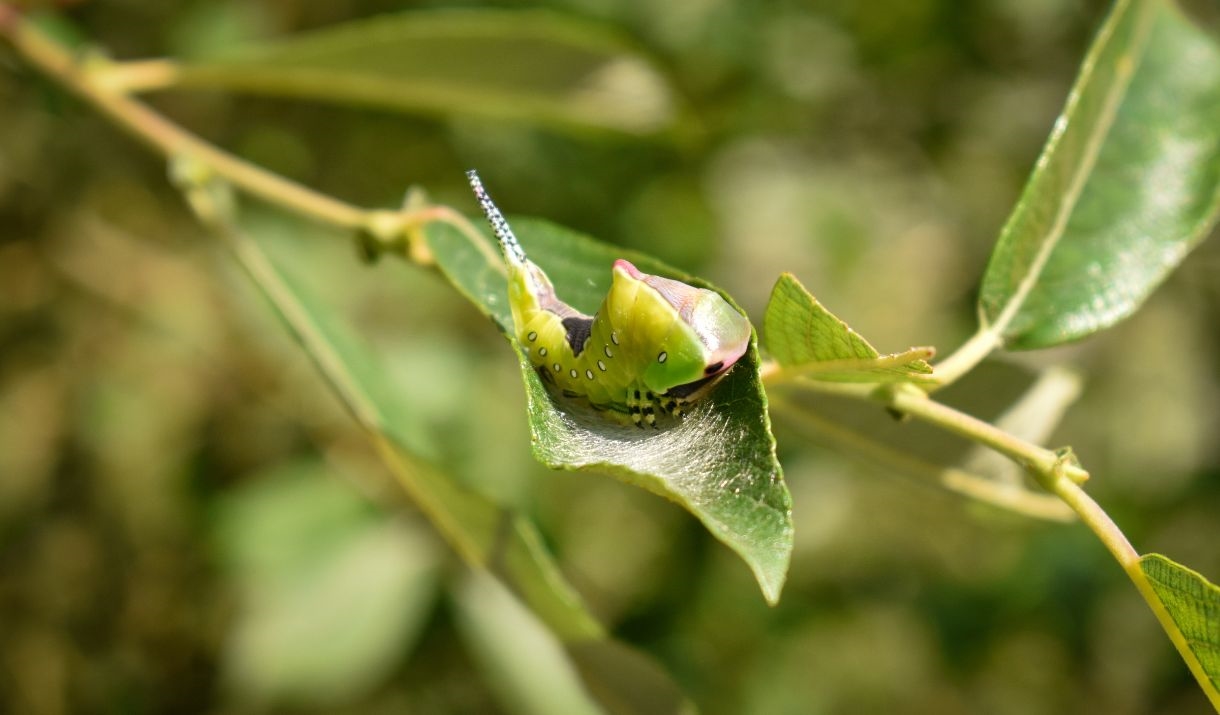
723	331
629	268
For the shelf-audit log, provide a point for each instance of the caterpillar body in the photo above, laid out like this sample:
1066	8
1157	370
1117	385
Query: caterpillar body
654	346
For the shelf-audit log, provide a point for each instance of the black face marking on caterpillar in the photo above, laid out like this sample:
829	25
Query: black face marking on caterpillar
671	341
578	329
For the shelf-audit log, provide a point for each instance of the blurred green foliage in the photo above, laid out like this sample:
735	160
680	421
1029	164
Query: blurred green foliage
148	399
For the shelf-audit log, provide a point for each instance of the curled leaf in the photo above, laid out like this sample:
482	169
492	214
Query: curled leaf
718	462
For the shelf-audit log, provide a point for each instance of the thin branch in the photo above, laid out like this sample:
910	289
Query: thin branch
1097	520
965	358
104	84
166	137
1042	462
136	76
1006	496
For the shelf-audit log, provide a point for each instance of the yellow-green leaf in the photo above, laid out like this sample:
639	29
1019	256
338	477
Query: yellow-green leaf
802	335
1194	605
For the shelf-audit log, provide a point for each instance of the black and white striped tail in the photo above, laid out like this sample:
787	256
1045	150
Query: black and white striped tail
504	234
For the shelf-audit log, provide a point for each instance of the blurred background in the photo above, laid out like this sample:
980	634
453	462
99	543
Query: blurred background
189	520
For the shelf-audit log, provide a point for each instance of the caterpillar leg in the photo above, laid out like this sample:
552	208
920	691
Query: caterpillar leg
634	409
642	409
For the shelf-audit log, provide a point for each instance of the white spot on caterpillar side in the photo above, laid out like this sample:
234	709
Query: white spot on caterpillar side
589	374
542	352
606	349
663	356
532	336
573	372
614	337
601	366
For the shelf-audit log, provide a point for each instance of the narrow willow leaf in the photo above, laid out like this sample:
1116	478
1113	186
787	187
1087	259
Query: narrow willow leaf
472	524
1194	605
718	462
534	674
1128	183
523	663
801	334
529	66
479	530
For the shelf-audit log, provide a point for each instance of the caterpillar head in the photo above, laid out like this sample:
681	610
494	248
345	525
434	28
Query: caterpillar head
692	336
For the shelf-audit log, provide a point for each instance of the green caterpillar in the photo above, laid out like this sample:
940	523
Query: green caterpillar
654	346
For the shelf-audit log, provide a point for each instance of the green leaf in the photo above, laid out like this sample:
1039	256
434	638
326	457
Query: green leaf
530	66
1128	183
1193	604
483	533
801	334
718	462
522	662
473	525
313	564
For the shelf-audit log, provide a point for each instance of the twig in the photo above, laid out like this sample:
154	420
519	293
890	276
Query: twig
1011	497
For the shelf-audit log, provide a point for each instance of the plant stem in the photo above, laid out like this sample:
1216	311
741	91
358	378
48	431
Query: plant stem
1055	472
136	76
965	358
104	84
1012	497
1097	520
1108	532
1042	462
913	401
166	137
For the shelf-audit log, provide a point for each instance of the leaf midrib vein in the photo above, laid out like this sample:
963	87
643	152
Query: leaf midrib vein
1109	112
